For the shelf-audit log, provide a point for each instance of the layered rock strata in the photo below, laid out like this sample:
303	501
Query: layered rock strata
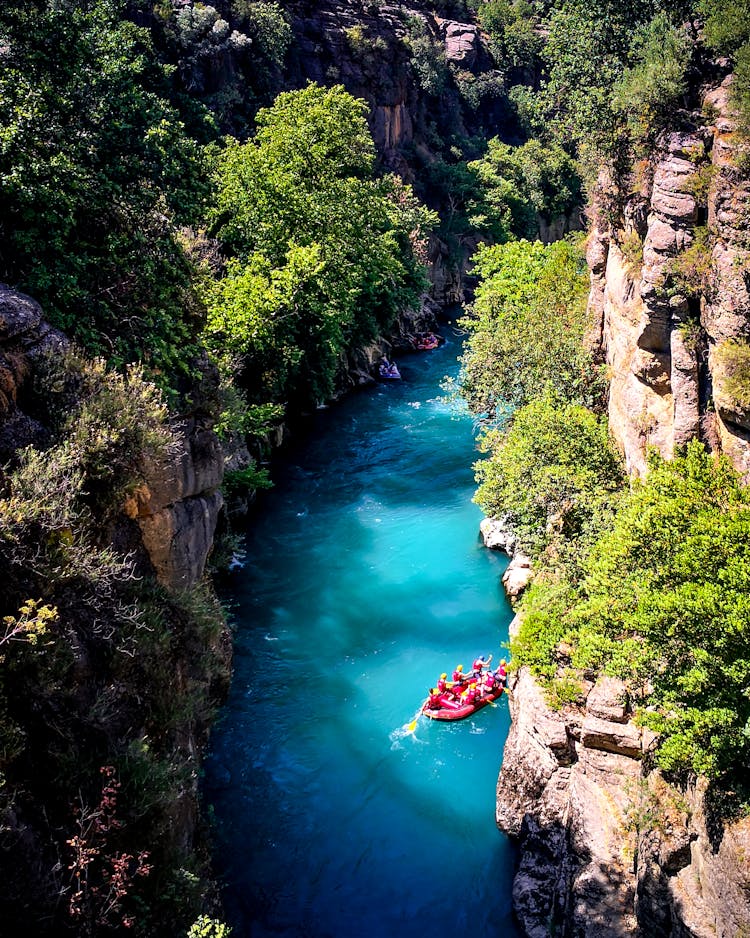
607	848
669	293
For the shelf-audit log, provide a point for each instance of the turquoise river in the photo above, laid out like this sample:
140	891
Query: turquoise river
364	579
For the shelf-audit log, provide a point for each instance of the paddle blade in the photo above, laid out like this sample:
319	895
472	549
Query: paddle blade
410	727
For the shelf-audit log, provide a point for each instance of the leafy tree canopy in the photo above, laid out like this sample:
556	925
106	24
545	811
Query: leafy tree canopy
95	169
324	252
665	604
553	475
516	183
527	327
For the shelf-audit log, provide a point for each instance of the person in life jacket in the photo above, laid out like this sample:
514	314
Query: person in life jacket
489	682
480	663
434	702
501	673
458	675
469	696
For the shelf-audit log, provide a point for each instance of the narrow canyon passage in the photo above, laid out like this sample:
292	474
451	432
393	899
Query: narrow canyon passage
365	578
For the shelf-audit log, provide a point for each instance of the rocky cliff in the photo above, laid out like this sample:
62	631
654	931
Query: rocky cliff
608	848
134	659
670	295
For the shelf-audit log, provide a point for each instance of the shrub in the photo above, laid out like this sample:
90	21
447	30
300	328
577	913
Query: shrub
206	927
564	691
631	246
689	273
733	357
649	91
268	28
510	24
427	58
665	605
553	475
527	326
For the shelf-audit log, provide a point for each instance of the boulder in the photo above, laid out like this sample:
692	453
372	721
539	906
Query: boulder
461	42
518	575
497	535
606	700
609	736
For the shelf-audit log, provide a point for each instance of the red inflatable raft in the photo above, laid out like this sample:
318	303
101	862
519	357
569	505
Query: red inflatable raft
452	709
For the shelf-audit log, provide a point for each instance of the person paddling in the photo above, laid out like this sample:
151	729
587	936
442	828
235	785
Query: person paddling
458	676
433	701
479	664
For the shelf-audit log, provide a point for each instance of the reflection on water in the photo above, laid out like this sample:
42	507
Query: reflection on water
365	579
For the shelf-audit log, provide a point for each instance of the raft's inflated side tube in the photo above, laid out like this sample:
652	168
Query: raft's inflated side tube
449	710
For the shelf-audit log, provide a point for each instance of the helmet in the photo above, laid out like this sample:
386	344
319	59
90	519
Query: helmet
443	676
503	661
460	667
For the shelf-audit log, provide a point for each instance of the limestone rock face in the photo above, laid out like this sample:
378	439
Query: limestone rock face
567	802
178	509
518	575
593	864
497	535
664	348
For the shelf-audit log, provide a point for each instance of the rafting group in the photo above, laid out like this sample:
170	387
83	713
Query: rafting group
467	692
425	341
388	370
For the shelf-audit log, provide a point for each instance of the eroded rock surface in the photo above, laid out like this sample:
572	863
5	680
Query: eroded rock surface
608	850
663	332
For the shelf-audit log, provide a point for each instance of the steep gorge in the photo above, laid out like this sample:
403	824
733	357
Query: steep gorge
609	847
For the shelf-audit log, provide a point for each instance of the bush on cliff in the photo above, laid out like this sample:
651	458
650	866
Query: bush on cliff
95	172
515	184
119	673
665	605
554	475
526	328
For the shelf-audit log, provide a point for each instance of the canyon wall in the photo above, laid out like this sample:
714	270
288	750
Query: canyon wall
608	848
130	673
670	296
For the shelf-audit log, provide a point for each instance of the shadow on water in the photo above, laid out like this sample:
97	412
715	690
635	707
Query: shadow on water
365	580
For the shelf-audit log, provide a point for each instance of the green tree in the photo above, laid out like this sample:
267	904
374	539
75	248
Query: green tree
95	172
517	183
514	39
665	605
553	475
650	90
726	24
325	253
527	326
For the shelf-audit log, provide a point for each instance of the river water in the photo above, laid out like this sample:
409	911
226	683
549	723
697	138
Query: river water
365	578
